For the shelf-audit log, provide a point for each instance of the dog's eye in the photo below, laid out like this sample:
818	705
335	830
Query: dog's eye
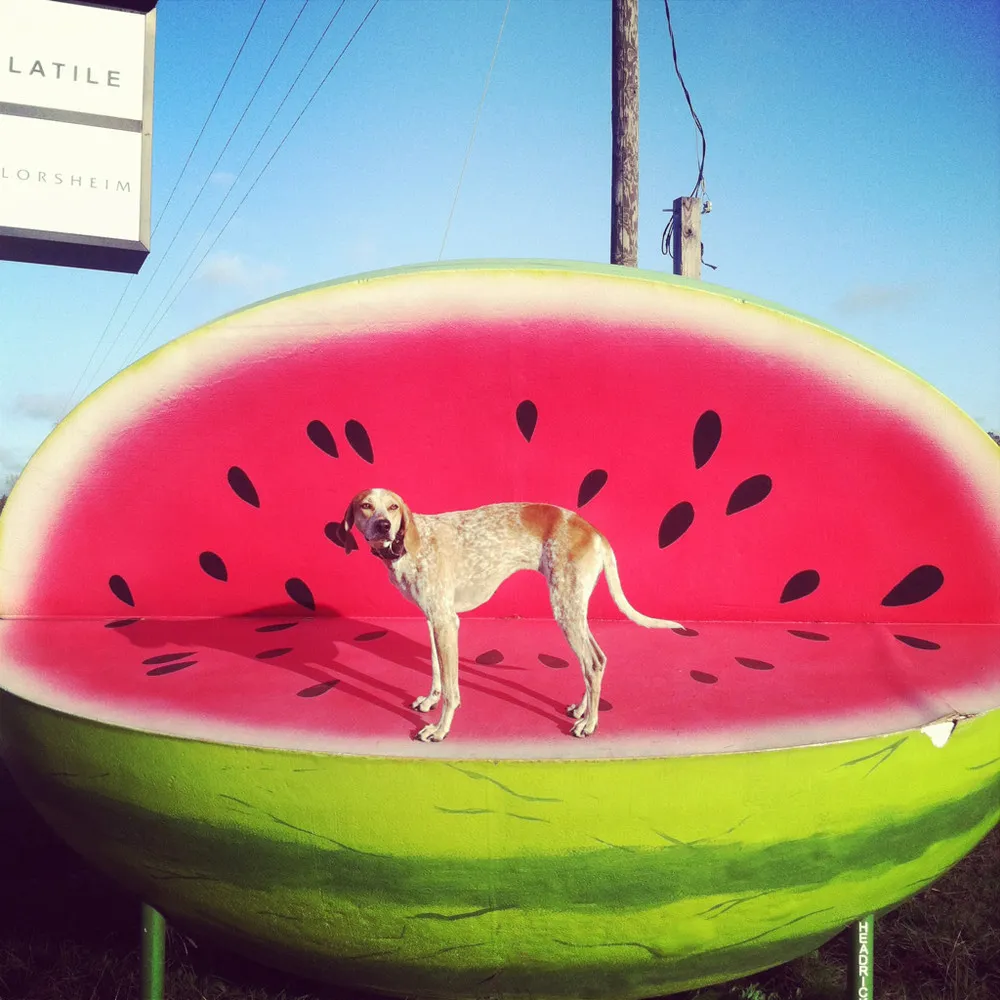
394	506
366	506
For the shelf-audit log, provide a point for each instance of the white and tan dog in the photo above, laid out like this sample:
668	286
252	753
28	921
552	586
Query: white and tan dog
446	563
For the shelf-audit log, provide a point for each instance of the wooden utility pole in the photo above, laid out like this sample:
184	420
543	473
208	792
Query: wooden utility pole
686	237
625	132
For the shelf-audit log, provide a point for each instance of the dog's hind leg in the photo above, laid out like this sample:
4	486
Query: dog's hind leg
592	662
428	701
569	592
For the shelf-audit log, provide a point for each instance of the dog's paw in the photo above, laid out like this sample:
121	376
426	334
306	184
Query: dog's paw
577	711
432	734
426	703
583	728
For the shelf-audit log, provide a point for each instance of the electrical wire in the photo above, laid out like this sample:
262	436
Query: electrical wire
260	174
699	189
208	176
222	152
159	219
153	321
475	126
215	104
699	186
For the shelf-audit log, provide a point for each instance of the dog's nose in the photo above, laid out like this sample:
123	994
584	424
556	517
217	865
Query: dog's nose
382	526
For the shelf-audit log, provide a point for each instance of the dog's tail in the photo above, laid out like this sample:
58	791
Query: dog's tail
615	586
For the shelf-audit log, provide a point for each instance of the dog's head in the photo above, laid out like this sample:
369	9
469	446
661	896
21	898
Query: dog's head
384	520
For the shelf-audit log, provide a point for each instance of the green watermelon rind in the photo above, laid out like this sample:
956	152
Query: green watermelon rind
541	878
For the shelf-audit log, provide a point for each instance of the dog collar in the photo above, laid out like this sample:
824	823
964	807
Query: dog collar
390	553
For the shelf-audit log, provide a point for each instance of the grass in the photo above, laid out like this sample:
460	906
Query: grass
67	933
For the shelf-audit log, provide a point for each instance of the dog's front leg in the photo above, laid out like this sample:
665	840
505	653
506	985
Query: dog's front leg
444	636
426	703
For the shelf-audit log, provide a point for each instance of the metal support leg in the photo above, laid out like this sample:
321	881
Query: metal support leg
859	976
154	953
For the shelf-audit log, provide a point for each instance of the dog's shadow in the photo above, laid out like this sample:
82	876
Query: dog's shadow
323	649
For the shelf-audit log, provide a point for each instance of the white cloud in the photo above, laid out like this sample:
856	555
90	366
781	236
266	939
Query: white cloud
223	178
49	406
235	269
877	298
11	464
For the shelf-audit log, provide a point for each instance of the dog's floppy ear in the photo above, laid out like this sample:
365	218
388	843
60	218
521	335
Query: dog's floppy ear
407	538
346	538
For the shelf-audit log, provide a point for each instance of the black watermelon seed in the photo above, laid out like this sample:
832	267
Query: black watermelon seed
605	706
213	566
490	658
357	438
279	627
916	586
120	589
166	658
916	643
300	593
800	585
812	636
122	622
270	654
527	418
368	636
686	632
170	668
337	534
593	483
242	487
675	522
555	662
702	678
707	434
317	689
320	436
746	661
749	493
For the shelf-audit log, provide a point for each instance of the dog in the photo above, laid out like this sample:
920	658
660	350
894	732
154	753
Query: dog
447	563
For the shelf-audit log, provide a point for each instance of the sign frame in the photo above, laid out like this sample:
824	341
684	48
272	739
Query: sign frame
68	249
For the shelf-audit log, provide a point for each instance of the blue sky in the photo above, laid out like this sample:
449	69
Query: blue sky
853	166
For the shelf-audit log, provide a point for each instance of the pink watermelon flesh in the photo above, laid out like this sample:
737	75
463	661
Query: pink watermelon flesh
345	684
802	490
740	487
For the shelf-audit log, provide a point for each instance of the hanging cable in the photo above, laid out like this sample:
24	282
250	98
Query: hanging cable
475	126
253	184
699	190
232	133
153	321
208	117
208	176
699	186
159	219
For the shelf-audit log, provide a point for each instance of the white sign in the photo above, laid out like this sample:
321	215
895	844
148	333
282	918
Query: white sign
75	130
57	177
71	57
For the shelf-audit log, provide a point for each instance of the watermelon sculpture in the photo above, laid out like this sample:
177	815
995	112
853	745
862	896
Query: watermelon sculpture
208	695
